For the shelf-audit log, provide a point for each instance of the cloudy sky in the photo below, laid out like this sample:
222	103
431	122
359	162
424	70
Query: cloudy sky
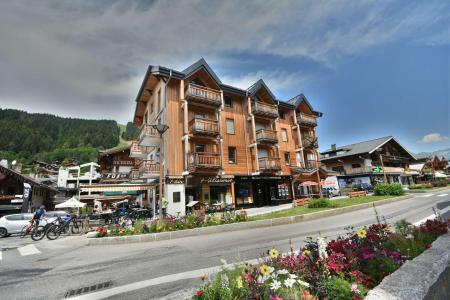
374	68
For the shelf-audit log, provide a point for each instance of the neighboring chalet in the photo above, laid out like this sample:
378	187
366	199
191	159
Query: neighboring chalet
370	162
12	190
431	167
224	144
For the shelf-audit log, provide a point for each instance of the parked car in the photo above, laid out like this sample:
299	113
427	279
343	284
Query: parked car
331	192
363	187
14	223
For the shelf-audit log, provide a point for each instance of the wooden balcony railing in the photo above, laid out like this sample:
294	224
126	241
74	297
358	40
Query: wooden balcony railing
359	170
200	126
148	136
264	109
203	160
266	136
310	142
137	151
148	169
134	174
204	95
304	119
269	164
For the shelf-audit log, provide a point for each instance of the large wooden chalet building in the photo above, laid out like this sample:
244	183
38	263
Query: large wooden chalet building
224	144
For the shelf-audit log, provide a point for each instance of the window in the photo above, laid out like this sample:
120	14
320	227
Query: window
230	126
310	156
159	100
199	148
176	197
228	101
284	137
232	155
151	108
14	217
281	114
355	166
287	158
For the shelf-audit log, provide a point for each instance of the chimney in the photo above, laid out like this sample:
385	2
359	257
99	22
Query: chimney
333	147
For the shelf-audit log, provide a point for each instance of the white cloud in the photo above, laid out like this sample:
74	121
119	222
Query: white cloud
433	138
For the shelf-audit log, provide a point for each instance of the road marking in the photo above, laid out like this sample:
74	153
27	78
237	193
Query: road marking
1	257
433	216
28	250
426	195
442	195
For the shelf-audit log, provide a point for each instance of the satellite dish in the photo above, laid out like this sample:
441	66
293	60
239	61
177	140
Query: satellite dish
13	162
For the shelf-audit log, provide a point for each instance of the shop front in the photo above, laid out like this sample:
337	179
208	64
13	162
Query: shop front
251	191
210	190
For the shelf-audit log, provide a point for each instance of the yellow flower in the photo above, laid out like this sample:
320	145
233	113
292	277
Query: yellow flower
306	253
203	277
265	270
273	253
361	233
239	284
247	269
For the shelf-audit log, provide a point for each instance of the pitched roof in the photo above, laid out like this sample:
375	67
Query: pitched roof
201	63
358	148
257	86
115	149
297	100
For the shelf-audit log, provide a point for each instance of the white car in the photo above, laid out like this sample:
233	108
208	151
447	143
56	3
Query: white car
13	223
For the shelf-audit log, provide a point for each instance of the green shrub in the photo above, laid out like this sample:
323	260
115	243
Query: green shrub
379	267
439	183
321	203
388	189
335	288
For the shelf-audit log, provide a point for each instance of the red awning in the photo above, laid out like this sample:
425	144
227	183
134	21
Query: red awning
309	183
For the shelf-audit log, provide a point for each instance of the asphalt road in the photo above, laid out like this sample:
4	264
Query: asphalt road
67	267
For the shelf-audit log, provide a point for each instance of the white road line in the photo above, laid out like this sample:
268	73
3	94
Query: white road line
442	195
28	250
433	216
1	255
426	195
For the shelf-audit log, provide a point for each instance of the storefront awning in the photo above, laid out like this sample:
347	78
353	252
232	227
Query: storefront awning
119	193
115	187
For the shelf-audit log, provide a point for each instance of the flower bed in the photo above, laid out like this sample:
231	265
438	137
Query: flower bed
344	268
169	224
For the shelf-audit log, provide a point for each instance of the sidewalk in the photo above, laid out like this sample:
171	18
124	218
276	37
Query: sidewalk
266	209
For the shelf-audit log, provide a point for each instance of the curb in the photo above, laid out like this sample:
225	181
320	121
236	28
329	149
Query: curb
415	279
150	237
425	191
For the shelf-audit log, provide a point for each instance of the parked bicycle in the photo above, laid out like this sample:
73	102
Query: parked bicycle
29	229
62	226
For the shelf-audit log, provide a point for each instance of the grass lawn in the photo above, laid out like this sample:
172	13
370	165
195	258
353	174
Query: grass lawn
301	210
426	187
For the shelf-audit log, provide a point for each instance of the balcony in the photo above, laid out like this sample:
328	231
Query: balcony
149	169
359	170
204	127
310	142
269	164
203	161
309	167
264	110
307	120
134	174
203	95
148	136
137	151
266	136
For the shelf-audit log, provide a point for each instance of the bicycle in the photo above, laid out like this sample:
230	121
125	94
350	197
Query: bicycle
61	226
30	228
41	231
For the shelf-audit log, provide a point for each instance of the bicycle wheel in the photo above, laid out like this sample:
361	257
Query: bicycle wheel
76	227
53	232
38	233
25	230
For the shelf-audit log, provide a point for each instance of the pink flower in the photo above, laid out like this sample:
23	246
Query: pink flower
275	298
354	287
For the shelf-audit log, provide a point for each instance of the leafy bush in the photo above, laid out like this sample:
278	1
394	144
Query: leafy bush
335	288
321	203
388	189
439	183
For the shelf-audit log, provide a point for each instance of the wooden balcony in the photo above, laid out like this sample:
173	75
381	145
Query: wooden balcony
306	120
309	167
359	170
203	95
134	174
310	142
269	164
148	136
203	161
137	151
204	127
264	110
266	136
149	169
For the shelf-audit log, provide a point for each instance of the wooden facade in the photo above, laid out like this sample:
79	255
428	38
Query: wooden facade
217	132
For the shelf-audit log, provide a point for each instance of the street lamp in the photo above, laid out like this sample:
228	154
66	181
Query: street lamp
161	128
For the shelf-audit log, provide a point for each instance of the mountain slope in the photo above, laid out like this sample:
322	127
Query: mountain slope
444	152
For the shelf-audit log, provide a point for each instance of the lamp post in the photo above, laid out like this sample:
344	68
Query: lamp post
379	150
161	128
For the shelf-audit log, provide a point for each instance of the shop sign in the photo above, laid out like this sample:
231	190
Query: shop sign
115	175
175	180
245	178
121	162
217	179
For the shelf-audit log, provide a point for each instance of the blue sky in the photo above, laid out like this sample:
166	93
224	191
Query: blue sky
374	68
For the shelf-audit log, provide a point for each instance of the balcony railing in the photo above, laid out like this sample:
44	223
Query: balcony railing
309	167
204	95
359	170
134	173
266	136
203	160
148	136
269	164
200	126
310	142
304	119
149	169
264	109
137	151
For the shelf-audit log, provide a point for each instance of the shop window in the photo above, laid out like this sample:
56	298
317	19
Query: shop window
355	166
284	137
199	148
176	197
232	155
230	126
287	158
228	101
283	191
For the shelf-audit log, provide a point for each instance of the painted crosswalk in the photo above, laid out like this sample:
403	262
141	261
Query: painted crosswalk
1	255
28	250
442	195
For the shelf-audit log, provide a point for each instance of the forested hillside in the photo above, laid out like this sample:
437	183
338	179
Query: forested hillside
25	136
